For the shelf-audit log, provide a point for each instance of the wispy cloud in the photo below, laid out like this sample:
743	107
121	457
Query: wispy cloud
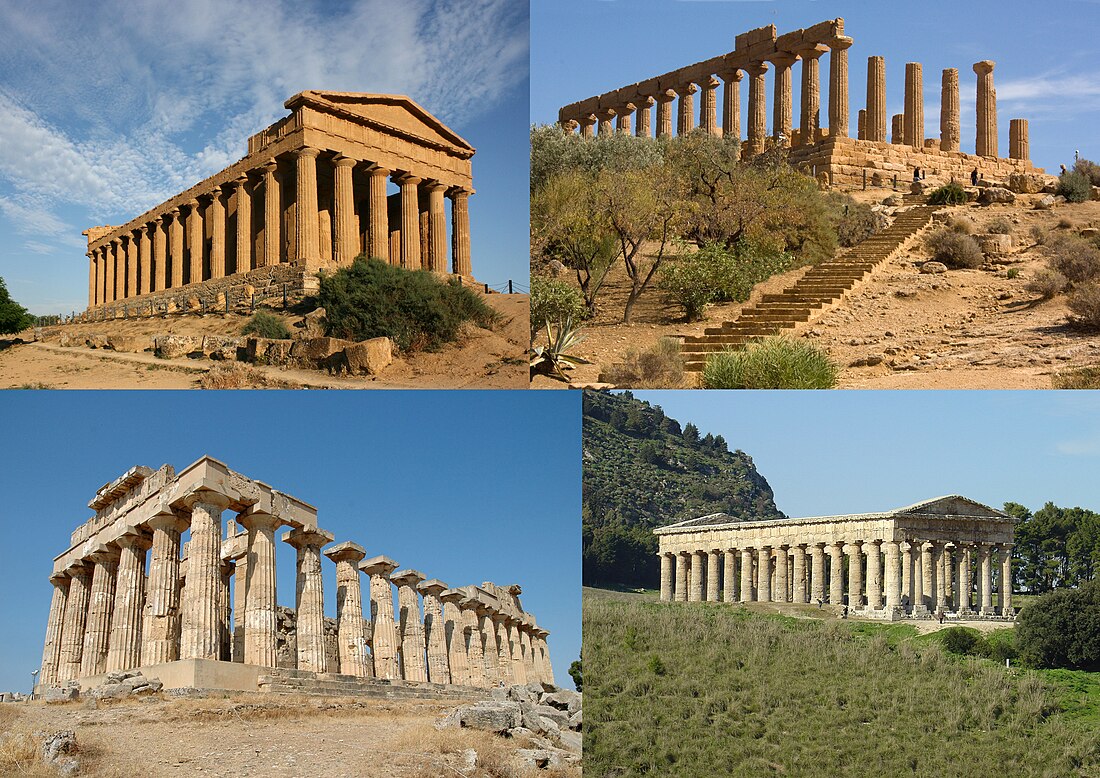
1084	447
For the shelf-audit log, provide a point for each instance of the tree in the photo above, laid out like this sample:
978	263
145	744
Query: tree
1062	629
575	674
13	316
691	432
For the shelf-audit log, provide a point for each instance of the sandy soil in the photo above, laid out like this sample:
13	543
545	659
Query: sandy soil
966	329
481	358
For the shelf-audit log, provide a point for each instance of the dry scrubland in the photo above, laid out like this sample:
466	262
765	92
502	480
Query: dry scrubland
707	689
255	735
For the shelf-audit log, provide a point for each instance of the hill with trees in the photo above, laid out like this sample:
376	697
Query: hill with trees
642	470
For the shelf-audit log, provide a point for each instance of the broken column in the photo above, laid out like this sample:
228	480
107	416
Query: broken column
310	596
1019	146
435	630
986	144
875	127
897	129
381	608
914	105
949	111
413	662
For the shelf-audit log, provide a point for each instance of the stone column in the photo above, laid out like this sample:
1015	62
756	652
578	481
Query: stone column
683	568
145	262
273	209
195	242
159	274
504	649
729	576
116	261
875	127
354	659
101	604
985	567
799	587
306	229
855	574
965	564
588	126
928	583
244	224
811	92
622	117
906	592
175	249
914	105
746	575
475	657
547	668
708	102
731	105
838	87
124	650
217	233
162	606
641	127
72	630
437	229
410	222
698	561
782	112
435	632
948	574
133	261
453	632
101	273
893	576
1019	147
949	110
604	117
685	121
91	277
489	637
861	124
986	145
199	630
411	625
712	575
346	226
381	608
51	651
874	574
758	109
378	226
941	581
260	618
764	574
310	596
664	113
225	614
460	233
667	580
836	575
817	573
779	593
519	670
897	129
1006	580
919	597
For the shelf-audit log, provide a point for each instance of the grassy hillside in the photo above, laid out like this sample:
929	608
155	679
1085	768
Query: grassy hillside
706	689
643	470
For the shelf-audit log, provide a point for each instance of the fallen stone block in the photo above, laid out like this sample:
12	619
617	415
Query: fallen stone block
54	694
1044	203
995	244
132	344
369	357
996	194
176	346
563	699
318	353
933	267
220	346
491	716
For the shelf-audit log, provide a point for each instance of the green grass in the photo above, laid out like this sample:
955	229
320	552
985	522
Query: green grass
708	689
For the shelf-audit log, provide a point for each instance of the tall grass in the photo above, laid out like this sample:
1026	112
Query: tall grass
744	694
772	363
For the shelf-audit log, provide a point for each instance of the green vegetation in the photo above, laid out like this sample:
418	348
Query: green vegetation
266	325
1062	629
661	366
1089	169
553	359
554	301
373	299
709	689
13	316
954	249
771	363
1055	547
715	273
950	193
576	675
1074	186
641	470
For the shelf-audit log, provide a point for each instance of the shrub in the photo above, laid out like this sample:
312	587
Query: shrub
772	363
693	278
855	221
1074	186
1000	645
954	249
1081	378
1084	304
950	193
1075	258
373	299
266	325
755	263
1066	224
1038	234
1062	629
961	224
1089	169
1000	226
575	672
555	301
661	366
13	316
1013	272
960	640
1046	283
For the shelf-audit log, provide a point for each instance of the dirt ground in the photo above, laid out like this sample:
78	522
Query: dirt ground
289	737
965	329
484	359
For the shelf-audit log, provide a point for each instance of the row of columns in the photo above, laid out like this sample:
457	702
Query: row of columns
908	577
108	613
172	250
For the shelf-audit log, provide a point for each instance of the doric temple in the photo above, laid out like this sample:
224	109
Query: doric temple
124	597
948	554
823	150
311	193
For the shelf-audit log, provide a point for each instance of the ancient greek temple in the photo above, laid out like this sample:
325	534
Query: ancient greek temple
817	148
312	193
948	554
125	597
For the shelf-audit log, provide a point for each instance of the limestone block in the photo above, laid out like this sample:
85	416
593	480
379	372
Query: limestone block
492	716
220	346
972	193
369	357
563	699
571	741
933	267
312	325
175	346
1026	183
1096	193
193	304
893	201
96	341
996	194
56	694
265	351
995	245
1044	203
1090	233
318	353
559	717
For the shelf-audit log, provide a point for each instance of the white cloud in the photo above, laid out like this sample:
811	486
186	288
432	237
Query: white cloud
1086	447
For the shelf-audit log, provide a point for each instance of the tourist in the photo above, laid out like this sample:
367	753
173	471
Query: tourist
916	174
974	177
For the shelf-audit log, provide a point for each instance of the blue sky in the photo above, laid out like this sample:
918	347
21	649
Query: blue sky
108	108
464	486
827	453
1046	56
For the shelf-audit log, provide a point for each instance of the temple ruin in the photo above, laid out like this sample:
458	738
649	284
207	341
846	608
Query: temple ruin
827	152
310	194
124	598
945	555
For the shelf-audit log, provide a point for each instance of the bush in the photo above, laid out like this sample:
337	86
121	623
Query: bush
266	325
772	363
373	299
954	249
693	278
1000	226
555	301
960	640
575	672
13	316
1062	629
661	366
961	224
1066	224
1046	283
1089	169
1081	378
755	263
1074	186
1038	234
1084	304
855	221
1000	645
1075	258
950	193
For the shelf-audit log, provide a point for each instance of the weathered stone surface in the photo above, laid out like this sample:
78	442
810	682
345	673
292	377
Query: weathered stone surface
933	267
1026	183
265	351
492	716
66	693
129	343
996	194
176	346
995	245
559	717
369	357
220	346
894	201
318	353
572	741
563	699
1044	203
58	752
312	325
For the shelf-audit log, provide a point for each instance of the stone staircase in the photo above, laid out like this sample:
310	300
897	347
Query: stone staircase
285	681
818	290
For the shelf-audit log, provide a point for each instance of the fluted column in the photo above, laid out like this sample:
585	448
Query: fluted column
160	253
985	568
782	111
124	651
712	575
217	233
779	593
810	119
893	575
173	226
758	108
101	272
941	583
116	282
838	87
195	241
588	126
683	567
685	120
873	549
51	650
145	283
381	608
101	605
91	277
927	576
504	649
799	588
855	574
666	577
731	105
410	222
306	229
875	128
411	624
764	574
435	632
622	117
547	667
378	226
949	110
260	619
965	564
729	575
746	575
897	129
644	113
310	597
914	105
199	630
133	262
454	634
1006	580
664	113
243	200
72	630
986	144
346	227
490	653
475	656
1019	146
906	596
272	215
708	105
836	573
354	658
460	233
161	617
519	670
437	229
698	564
817	573
861	124
604	116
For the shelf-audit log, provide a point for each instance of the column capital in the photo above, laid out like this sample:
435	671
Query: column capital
270	166
648	101
606	114
710	82
783	59
731	75
206	496
407	577
984	67
306	151
193	203
346	552
241	180
434	186
666	96
840	43
378	565
343	161
689	88
625	108
307	537
811	50
139	540
253	519
407	178
378	170
167	521
757	68
433	587
570	125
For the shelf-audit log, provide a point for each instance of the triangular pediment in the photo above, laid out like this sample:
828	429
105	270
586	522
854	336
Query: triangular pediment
396	113
953	505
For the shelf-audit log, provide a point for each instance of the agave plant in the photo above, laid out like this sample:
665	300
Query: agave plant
552	359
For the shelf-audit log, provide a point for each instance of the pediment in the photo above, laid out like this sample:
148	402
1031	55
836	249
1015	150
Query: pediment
953	505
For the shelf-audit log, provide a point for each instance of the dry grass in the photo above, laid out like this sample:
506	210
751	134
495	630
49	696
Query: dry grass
443	752
234	375
1081	378
661	366
20	751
